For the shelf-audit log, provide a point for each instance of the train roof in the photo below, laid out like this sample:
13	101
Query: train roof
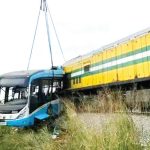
24	78
111	45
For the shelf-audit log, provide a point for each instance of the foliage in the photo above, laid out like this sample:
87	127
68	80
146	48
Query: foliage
119	134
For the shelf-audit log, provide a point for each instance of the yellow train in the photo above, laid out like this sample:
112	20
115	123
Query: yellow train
124	61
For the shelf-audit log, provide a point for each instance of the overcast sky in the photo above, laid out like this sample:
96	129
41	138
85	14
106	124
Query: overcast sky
82	26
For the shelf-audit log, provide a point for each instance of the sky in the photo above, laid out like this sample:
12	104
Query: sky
82	26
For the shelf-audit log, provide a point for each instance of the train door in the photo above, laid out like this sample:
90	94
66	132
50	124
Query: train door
87	73
95	70
104	66
119	65
78	78
144	58
113	72
100	77
124	63
109	63
77	75
130	69
147	37
67	81
138	57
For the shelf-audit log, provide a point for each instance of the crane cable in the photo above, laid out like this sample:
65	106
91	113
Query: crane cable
49	43
33	39
44	7
56	33
48	33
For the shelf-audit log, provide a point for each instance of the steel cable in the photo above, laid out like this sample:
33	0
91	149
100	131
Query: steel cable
33	40
56	32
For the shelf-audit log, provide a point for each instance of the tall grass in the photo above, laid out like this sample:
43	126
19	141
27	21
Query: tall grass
109	100
118	134
106	101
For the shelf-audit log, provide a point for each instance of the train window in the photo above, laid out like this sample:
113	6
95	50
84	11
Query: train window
76	80
87	68
79	79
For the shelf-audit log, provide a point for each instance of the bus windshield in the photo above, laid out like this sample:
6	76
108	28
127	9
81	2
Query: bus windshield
13	99
8	94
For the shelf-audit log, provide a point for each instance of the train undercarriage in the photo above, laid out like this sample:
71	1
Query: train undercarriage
135	95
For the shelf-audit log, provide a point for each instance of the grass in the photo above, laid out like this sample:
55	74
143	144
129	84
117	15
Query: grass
119	134
116	101
106	101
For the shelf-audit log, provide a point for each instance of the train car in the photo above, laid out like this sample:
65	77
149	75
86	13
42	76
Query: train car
27	96
126	61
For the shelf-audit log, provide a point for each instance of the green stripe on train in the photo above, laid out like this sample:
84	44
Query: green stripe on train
130	63
147	48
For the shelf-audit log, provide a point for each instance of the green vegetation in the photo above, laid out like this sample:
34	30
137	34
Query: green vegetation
106	101
119	134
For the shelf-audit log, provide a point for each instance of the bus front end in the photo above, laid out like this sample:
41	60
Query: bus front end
28	96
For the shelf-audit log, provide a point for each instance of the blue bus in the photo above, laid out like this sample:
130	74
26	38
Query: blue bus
27	96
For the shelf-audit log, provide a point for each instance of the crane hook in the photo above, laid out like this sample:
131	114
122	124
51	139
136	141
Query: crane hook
43	6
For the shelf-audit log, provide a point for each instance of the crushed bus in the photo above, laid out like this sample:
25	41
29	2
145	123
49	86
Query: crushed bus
27	96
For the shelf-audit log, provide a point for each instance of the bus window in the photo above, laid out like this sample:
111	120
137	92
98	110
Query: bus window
35	98
43	91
